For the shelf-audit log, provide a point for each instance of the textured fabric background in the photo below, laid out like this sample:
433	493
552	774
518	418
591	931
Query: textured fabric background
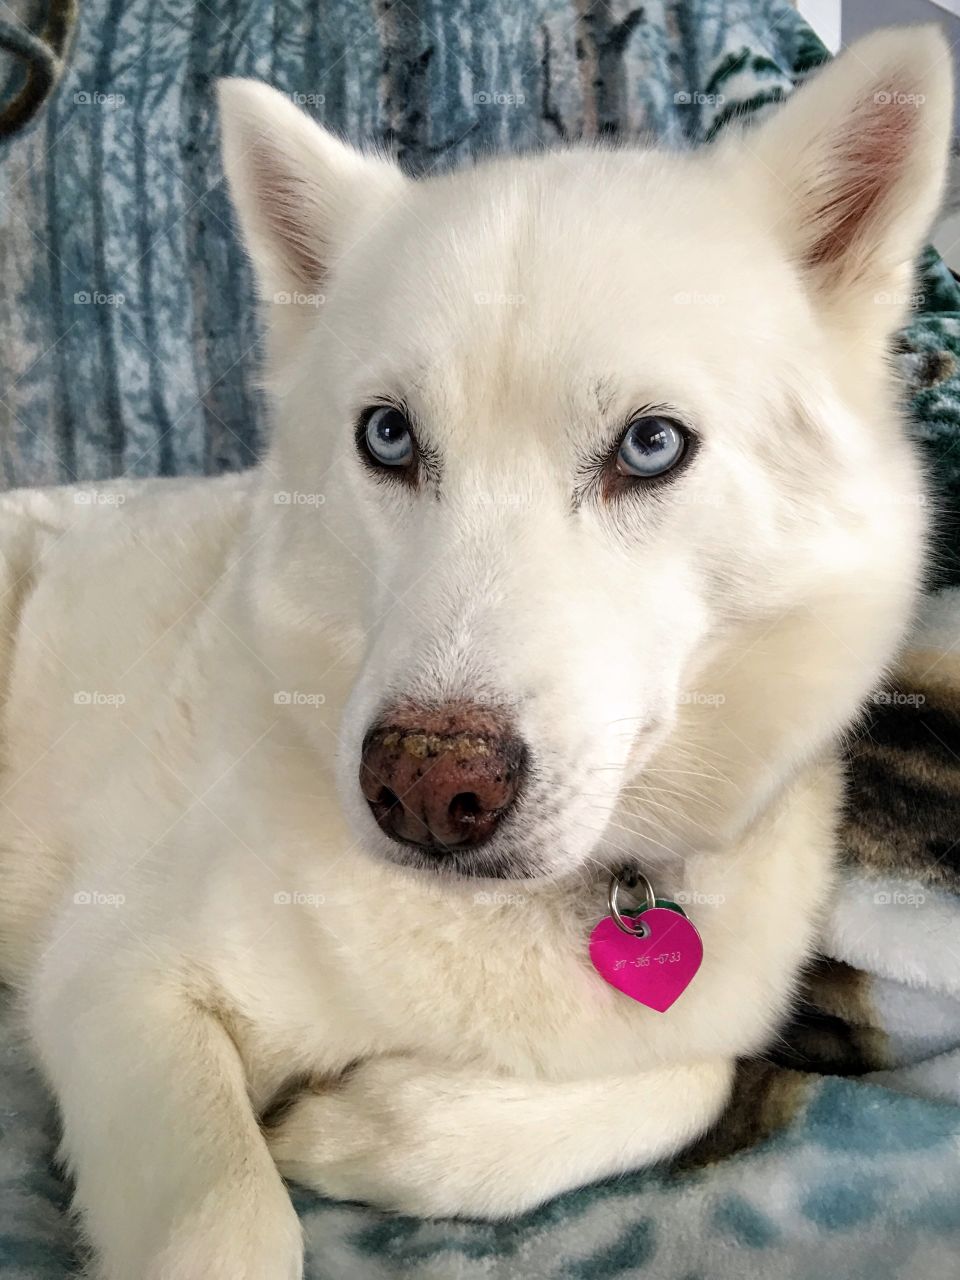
128	346
127	335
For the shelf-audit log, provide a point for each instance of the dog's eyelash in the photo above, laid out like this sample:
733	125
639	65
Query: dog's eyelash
426	464
608	447
599	463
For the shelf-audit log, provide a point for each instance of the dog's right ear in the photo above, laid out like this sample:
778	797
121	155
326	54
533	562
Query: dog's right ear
855	164
300	193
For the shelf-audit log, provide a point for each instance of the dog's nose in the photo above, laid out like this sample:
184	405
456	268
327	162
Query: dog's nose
444	777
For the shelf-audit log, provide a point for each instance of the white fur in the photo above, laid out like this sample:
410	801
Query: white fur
196	902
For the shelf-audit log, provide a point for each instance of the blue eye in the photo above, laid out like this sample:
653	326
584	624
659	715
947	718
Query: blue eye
650	447
388	438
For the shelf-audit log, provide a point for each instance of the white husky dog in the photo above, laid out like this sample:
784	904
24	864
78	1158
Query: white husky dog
587	522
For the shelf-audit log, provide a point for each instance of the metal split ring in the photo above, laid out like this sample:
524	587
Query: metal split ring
619	881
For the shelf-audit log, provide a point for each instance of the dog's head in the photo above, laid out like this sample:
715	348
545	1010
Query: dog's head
590	462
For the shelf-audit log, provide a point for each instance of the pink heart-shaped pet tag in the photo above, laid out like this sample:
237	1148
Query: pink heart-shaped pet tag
656	969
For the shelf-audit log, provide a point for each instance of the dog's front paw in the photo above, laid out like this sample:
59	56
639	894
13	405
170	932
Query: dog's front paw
224	1239
397	1137
361	1140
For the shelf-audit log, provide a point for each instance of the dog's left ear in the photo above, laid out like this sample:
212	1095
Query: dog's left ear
302	196
855	165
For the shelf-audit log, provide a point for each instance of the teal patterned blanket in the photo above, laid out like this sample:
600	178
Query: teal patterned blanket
128	345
